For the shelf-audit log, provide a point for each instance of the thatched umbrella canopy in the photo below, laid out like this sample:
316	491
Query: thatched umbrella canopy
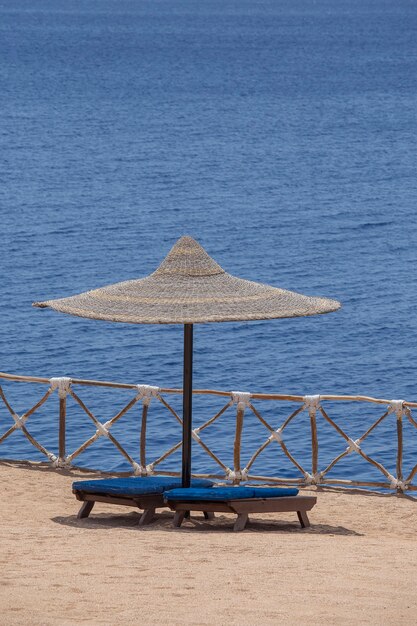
189	287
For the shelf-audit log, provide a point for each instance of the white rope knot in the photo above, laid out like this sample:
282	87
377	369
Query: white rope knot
395	483
19	420
149	469
147	392
317	477
59	462
354	446
276	434
62	384
308	478
313	479
139	470
397	407
311	404
241	398
103	429
195	435
236	475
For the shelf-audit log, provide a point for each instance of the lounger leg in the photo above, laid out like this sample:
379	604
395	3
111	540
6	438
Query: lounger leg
240	522
85	509
208	515
146	517
178	518
303	517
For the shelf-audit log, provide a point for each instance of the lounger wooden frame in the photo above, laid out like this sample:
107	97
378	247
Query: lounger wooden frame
242	508
148	503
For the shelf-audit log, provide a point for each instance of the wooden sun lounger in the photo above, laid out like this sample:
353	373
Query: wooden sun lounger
243	506
144	493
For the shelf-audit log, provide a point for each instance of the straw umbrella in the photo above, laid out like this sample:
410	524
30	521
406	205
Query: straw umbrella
189	287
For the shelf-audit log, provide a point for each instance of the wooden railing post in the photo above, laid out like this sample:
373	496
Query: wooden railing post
146	393
243	400
314	445
62	384
312	403
238	442
145	408
62	428
399	413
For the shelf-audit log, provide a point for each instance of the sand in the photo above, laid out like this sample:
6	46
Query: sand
356	564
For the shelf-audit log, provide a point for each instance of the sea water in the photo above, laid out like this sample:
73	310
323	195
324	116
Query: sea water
281	134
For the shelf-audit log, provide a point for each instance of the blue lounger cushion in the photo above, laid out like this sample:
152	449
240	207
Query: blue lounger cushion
223	494
135	486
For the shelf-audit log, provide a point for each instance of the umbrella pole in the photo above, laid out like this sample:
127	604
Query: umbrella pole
187	405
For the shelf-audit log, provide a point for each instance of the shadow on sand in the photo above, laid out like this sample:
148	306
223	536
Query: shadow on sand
222	523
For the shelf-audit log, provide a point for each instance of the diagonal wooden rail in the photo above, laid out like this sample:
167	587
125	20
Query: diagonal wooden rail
246	407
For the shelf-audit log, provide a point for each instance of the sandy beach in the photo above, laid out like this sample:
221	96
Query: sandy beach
355	565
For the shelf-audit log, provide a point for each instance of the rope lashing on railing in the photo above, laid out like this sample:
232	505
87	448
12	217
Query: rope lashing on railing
354	446
313	479
147	392
60	463
103	430
195	435
277	435
312	404
19	420
236	475
139	470
397	407
63	385
396	483
241	398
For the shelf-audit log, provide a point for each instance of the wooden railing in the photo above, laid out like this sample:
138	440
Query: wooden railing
247	408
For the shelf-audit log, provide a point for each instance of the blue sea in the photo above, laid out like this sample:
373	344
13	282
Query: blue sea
282	135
